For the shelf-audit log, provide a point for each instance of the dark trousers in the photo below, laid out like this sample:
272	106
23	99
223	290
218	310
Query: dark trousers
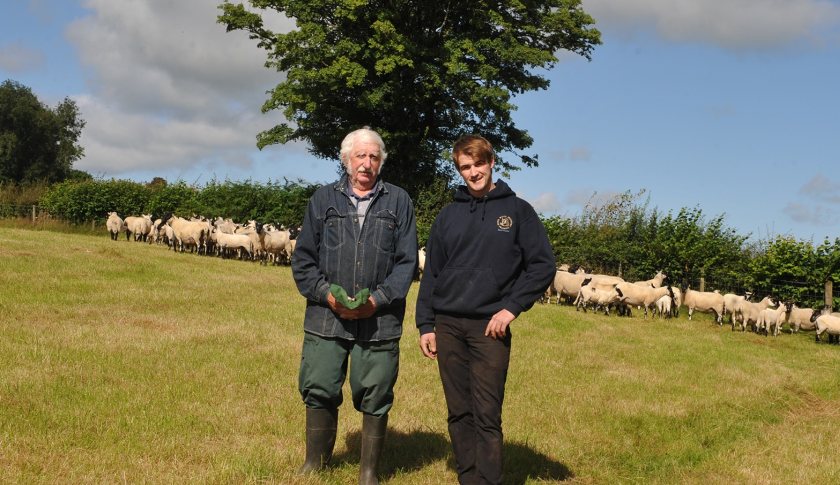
373	373
473	369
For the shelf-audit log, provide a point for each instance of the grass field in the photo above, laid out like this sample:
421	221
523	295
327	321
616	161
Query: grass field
123	362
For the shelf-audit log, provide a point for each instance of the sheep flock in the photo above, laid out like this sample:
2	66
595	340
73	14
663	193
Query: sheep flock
270	244
656	297
253	241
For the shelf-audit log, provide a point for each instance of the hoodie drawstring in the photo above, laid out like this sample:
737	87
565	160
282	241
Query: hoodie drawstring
474	202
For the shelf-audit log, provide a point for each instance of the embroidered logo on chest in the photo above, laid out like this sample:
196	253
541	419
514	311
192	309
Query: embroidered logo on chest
504	223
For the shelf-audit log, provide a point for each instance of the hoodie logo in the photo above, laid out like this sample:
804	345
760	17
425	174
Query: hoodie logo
504	223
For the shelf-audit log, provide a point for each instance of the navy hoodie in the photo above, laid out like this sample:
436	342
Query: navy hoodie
483	255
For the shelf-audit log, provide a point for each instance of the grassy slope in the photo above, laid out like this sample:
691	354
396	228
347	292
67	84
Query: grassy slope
121	361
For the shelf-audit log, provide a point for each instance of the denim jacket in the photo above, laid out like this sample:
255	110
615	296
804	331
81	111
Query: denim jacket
380	256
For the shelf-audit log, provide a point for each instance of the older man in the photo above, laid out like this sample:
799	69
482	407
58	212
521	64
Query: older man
358	233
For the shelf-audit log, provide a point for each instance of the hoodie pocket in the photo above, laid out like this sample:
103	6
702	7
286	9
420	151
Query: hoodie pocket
463	290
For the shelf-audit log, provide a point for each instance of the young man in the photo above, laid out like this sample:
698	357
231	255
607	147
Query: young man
488	260
358	233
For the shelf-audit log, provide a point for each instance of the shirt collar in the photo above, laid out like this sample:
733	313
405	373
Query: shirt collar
369	195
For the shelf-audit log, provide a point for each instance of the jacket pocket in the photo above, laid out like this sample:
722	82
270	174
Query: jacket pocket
333	229
385	230
463	290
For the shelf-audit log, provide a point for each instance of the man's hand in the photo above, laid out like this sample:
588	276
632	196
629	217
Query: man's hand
497	326
342	311
428	345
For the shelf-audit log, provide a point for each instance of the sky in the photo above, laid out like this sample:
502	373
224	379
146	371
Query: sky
731	106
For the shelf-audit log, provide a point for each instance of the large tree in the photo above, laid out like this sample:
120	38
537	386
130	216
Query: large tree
420	72
37	143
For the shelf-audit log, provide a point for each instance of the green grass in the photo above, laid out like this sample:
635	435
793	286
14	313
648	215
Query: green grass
124	362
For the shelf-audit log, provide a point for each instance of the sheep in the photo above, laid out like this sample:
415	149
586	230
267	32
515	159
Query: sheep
115	225
566	283
828	323
644	296
601	281
254	230
193	234
421	262
597	296
678	299
664	305
731	304
278	244
800	319
155	233
226	226
770	320
228	242
704	301
750	312
656	281
140	226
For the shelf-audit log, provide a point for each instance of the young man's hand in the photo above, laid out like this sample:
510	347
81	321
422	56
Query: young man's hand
428	345
498	325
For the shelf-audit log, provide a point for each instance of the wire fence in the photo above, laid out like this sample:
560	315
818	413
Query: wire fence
28	211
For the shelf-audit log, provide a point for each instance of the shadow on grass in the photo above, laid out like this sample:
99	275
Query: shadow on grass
415	450
403	451
523	462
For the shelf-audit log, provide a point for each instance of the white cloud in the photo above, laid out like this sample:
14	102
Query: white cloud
823	189
547	203
580	154
735	24
17	58
811	214
170	88
583	196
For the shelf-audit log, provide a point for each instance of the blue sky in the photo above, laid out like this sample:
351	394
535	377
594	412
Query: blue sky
728	105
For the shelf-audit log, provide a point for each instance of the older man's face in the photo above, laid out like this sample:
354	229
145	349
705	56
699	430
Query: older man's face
364	164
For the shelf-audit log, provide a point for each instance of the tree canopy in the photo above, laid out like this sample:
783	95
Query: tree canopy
37	143
422	73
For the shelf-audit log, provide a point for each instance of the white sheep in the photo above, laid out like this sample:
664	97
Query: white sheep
770	320
278	245
421	262
643	296
704	301
192	234
140	226
568	284
749	312
732	303
229	242
656	281
801	319
829	324
115	225
598	297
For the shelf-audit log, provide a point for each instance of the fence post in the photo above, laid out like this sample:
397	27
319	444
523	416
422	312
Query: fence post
829	295
33	214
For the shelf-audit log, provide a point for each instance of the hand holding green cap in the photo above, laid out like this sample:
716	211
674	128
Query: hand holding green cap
340	295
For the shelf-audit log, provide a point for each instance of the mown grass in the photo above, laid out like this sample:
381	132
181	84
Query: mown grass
123	362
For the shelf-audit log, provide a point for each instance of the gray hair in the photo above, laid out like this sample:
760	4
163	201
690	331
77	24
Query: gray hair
362	134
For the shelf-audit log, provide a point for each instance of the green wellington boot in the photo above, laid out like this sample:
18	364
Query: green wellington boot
373	437
321	425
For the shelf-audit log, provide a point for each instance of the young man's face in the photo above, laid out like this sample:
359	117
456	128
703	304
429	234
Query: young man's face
363	165
477	174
